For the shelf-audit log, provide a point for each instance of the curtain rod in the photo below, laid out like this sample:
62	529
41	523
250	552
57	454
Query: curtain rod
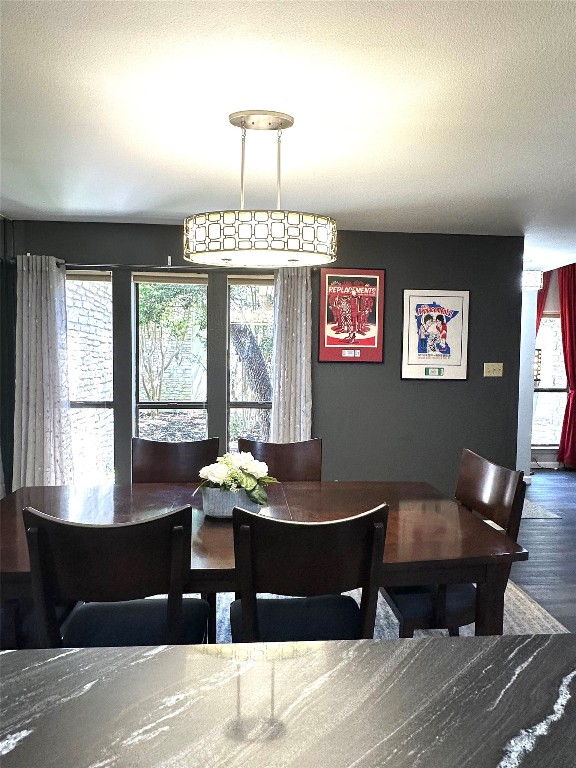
147	267
161	268
72	265
13	260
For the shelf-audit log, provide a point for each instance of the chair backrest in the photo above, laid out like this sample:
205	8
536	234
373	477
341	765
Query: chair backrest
305	559
494	491
288	461
102	563
154	461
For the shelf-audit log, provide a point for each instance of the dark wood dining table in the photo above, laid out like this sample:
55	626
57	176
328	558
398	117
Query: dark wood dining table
430	539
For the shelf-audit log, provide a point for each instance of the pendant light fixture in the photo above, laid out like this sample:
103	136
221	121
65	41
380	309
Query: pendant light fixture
259	238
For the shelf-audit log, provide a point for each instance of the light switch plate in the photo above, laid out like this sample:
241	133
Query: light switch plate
493	369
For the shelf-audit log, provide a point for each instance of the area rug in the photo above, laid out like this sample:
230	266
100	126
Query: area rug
522	616
532	510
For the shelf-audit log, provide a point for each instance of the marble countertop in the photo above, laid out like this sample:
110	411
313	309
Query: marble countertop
494	702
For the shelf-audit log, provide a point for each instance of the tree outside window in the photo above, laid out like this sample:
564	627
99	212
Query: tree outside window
251	308
172	358
172	350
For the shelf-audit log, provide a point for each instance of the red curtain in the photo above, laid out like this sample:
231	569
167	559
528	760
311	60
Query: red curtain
541	299
567	296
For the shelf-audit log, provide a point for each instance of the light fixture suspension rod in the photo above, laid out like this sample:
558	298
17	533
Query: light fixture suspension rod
242	167
278	204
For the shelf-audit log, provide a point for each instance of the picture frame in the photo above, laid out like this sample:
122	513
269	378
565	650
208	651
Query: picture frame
351	323
435	334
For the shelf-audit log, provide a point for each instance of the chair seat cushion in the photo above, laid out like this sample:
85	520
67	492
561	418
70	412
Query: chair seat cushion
134	622
327	617
415	604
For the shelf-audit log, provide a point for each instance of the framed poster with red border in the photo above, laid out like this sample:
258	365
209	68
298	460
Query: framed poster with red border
351	326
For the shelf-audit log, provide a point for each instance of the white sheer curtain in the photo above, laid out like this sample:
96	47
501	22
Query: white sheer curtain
42	436
291	375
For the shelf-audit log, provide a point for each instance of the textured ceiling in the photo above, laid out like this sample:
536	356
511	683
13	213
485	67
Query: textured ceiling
455	117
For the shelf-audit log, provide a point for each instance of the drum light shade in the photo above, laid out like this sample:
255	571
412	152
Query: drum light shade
259	239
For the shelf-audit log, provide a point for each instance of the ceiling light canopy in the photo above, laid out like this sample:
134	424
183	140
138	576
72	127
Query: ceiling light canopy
259	238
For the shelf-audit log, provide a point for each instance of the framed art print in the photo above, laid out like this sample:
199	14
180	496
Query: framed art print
351	315
435	335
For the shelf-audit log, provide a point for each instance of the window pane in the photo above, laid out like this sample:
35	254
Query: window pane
251	329
548	416
89	319
253	423
173	425
172	342
92	445
549	341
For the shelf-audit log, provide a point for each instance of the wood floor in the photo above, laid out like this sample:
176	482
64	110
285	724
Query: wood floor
549	575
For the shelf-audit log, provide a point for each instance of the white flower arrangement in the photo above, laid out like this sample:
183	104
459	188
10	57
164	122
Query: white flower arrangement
238	471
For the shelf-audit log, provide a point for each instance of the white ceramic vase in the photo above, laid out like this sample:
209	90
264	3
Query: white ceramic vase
218	502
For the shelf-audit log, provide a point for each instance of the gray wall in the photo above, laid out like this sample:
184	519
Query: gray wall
374	424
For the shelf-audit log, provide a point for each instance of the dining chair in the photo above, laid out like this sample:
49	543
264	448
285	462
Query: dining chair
497	493
288	461
155	461
108	570
312	563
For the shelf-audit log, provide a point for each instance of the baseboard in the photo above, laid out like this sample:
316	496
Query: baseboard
535	464
544	457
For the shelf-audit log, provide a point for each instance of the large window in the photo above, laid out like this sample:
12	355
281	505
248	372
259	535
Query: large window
172	351
89	318
550	384
251	325
166	356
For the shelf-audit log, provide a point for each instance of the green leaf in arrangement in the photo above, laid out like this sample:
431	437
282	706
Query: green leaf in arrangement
268	479
249	482
258	495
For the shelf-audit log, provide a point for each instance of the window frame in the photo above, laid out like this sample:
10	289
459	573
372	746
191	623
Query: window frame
96	276
125	350
264	405
177	278
91	275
